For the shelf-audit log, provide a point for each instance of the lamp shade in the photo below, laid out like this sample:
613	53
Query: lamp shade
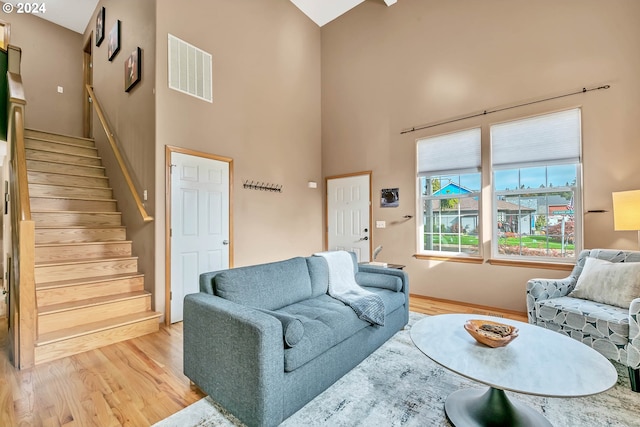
626	210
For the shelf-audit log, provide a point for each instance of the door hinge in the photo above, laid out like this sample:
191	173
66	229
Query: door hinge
170	296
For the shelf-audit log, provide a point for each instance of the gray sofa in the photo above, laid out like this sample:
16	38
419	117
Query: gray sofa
264	340
613	330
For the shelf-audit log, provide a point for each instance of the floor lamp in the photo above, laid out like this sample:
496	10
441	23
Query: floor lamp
626	211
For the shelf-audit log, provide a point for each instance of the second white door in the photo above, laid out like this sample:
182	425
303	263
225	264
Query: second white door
200	238
348	215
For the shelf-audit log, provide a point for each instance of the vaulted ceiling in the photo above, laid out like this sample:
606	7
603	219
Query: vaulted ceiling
75	14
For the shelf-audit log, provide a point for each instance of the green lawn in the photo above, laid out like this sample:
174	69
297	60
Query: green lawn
534	242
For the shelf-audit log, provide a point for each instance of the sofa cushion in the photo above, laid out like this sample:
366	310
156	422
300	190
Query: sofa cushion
614	283
319	273
269	286
595	319
328	322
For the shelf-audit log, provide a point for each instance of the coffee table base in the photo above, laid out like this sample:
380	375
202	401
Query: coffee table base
470	407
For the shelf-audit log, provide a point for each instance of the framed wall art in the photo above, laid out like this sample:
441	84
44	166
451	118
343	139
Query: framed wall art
390	198
132	69
114	41
100	26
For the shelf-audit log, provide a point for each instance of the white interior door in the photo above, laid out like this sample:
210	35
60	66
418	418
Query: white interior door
348	215
200	238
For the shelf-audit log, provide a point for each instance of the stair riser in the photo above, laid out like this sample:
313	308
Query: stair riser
54	273
46	204
57	350
52	219
30	133
82	251
44	166
62	158
81	316
67	235
64	294
43	190
36	144
64	179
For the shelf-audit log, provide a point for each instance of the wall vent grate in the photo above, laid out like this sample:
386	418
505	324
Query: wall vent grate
190	69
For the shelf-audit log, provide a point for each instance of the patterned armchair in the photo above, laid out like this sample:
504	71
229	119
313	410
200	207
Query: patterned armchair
611	330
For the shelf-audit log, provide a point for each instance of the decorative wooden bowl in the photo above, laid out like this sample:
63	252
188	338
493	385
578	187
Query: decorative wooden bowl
492	334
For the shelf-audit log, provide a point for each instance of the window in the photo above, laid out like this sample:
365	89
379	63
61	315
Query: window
535	202
449	181
536	186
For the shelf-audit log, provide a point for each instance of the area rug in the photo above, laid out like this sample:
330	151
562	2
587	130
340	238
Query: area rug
397	385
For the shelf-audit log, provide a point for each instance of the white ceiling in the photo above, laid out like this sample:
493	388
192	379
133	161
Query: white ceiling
75	14
71	14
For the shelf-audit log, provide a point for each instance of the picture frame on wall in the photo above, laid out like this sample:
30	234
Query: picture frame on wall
114	41
132	69
100	26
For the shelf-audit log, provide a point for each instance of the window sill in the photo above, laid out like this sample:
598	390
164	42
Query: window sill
467	259
499	262
532	264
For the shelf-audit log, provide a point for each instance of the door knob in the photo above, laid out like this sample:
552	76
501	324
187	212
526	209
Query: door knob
225	242
365	238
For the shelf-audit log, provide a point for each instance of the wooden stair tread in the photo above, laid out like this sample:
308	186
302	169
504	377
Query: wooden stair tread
61	163
91	328
85	281
82	227
42	150
73	175
62	245
71	186
28	132
55	141
77	212
84	261
93	302
72	198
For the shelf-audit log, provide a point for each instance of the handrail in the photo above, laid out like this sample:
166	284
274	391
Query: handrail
116	151
22	285
17	101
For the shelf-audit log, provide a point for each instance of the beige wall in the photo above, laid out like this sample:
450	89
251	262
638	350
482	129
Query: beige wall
51	57
422	61
131	117
265	115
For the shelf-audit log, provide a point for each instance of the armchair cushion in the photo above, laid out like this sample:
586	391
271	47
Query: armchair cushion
613	283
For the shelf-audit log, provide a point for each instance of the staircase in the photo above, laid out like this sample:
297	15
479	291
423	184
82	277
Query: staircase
89	292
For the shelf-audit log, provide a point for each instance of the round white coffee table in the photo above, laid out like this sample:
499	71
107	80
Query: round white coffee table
538	362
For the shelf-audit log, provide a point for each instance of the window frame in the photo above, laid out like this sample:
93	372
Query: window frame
421	198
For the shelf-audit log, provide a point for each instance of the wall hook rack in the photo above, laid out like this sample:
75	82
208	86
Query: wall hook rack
262	186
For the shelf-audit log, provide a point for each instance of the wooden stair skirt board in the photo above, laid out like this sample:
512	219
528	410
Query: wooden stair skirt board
89	291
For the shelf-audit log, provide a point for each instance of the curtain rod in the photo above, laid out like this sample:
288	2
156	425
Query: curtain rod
496	110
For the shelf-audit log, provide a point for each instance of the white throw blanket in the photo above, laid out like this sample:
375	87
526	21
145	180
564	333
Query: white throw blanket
343	287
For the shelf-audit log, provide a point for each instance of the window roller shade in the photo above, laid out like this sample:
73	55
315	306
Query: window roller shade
453	153
542	140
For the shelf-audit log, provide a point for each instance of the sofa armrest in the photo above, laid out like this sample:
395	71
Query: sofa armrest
235	354
633	349
541	289
382	277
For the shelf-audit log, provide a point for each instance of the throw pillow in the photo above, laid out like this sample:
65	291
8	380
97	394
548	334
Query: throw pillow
613	283
292	327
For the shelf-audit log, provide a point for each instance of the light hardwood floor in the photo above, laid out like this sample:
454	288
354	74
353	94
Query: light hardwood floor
132	383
